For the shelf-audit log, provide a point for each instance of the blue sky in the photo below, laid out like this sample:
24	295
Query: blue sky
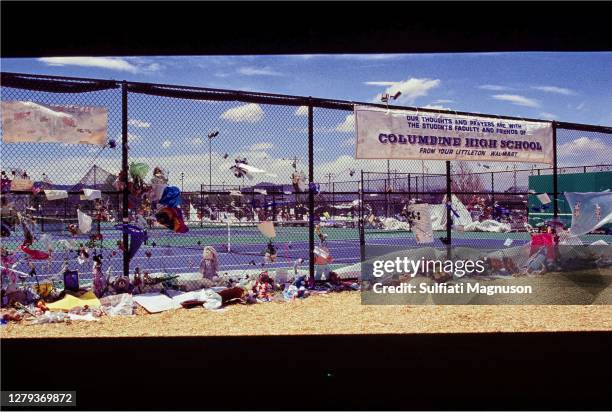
574	87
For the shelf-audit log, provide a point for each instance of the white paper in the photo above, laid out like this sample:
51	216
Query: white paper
156	302
544	198
267	229
56	194
508	242
321	252
421	222
84	222
91	194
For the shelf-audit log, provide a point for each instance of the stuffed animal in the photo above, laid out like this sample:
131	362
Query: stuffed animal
209	265
100	283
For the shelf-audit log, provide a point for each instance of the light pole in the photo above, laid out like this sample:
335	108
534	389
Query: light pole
385	99
182	178
210	137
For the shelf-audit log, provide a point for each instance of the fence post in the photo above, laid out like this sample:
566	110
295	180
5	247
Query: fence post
360	221
448	210
409	187
202	206
124	170
493	190
311	226
333	202
555	174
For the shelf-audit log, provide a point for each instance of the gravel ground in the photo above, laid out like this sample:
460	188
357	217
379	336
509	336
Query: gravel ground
338	313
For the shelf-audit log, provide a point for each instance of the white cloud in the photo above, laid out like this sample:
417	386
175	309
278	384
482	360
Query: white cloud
139	123
411	89
196	141
257	155
249	113
580	106
517	100
153	67
348	142
166	144
132	138
436	107
584	150
258	71
494	87
261	146
443	101
110	63
380	83
555	89
221	74
302	111
348	125
548	116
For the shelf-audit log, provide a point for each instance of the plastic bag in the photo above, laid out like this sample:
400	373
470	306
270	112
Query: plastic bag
211	298
118	305
290	292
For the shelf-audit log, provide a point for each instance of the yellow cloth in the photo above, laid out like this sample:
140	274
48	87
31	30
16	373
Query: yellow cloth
71	301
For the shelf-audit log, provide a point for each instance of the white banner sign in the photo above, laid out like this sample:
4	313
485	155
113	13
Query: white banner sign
34	122
407	134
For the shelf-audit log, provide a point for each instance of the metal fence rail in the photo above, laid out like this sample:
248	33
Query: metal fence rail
304	148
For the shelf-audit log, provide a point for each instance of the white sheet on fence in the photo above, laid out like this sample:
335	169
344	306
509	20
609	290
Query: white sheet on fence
487	226
438	214
590	211
192	215
394	224
25	121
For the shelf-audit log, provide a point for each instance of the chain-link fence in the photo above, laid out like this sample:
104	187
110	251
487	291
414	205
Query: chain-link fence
238	159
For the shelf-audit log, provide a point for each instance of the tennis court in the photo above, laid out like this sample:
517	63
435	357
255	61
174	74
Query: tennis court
241	247
256	157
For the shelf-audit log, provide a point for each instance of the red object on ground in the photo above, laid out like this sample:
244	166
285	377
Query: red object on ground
231	294
543	239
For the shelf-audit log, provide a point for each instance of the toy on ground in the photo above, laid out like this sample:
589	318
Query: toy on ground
209	264
100	282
